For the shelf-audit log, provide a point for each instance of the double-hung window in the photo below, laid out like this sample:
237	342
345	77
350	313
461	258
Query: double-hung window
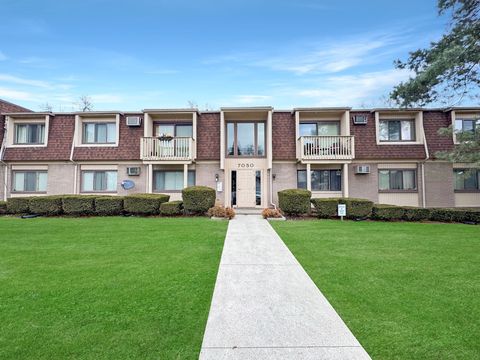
99	133
246	139
467	125
29	181
397	130
174	130
99	181
467	179
168	180
29	134
397	180
321	180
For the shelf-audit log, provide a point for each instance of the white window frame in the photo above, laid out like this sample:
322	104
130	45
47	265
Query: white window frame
419	132
95	171
13	120
464	116
36	171
80	120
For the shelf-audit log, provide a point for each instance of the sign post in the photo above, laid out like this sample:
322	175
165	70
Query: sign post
342	210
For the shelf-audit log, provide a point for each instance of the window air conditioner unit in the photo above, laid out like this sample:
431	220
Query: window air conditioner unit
133	121
133	170
359	119
362	169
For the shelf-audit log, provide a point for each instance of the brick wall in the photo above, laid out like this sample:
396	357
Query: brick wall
208	136
283	139
432	122
366	144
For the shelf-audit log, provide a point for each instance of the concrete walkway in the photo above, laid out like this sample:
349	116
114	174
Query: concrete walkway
265	306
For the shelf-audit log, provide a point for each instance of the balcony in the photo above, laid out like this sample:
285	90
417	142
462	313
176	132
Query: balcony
326	147
172	149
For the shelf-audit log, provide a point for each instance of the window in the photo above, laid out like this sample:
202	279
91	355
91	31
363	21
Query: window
258	187
174	130
246	139
321	180
29	133
466	125
397	130
99	133
467	179
321	128
397	180
171	180
29	181
99	181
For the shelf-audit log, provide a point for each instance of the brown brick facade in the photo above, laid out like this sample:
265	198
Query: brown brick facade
432	122
128	145
208	136
366	143
283	136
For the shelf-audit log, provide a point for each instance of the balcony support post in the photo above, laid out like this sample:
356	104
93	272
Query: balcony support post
345	180
150	179
185	175
309	177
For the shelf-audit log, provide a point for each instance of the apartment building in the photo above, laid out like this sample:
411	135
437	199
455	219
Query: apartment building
246	154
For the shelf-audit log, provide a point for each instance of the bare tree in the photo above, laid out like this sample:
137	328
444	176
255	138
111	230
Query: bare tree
192	104
85	103
46	107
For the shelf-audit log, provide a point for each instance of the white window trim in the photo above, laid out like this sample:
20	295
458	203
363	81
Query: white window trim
455	115
418	120
97	168
81	119
11	121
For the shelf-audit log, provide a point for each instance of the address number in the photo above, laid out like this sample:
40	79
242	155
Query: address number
246	165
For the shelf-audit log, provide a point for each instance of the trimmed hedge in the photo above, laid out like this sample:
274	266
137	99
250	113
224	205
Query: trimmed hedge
108	205
455	215
198	199
18	205
415	213
78	205
46	205
326	208
171	208
3	207
387	212
144	204
294	201
356	208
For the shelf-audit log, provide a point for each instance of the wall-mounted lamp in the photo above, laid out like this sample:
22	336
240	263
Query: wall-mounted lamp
216	177
274	176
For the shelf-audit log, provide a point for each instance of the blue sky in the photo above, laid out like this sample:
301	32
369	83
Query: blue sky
130	55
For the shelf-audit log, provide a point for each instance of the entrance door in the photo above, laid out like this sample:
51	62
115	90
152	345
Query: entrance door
246	188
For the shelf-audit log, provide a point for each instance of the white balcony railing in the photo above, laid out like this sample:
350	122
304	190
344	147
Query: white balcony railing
177	148
327	147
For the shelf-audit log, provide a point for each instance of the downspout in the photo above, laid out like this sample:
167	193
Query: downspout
75	172
2	151
427	156
271	190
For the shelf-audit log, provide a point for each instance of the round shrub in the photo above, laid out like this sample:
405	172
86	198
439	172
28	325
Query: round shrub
18	205
271	213
108	205
198	199
78	205
171	208
144	204
294	201
46	205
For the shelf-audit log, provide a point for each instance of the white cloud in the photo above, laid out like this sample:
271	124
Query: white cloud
22	81
352	90
16	94
251	99
2	56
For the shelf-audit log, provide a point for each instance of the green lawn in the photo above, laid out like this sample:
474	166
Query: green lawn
106	288
406	290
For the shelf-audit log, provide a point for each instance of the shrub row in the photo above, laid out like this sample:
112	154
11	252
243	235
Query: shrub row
83	205
356	208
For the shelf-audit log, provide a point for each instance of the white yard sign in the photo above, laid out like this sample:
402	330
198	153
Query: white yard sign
342	210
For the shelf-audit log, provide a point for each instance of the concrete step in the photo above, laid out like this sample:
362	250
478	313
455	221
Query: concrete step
248	211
